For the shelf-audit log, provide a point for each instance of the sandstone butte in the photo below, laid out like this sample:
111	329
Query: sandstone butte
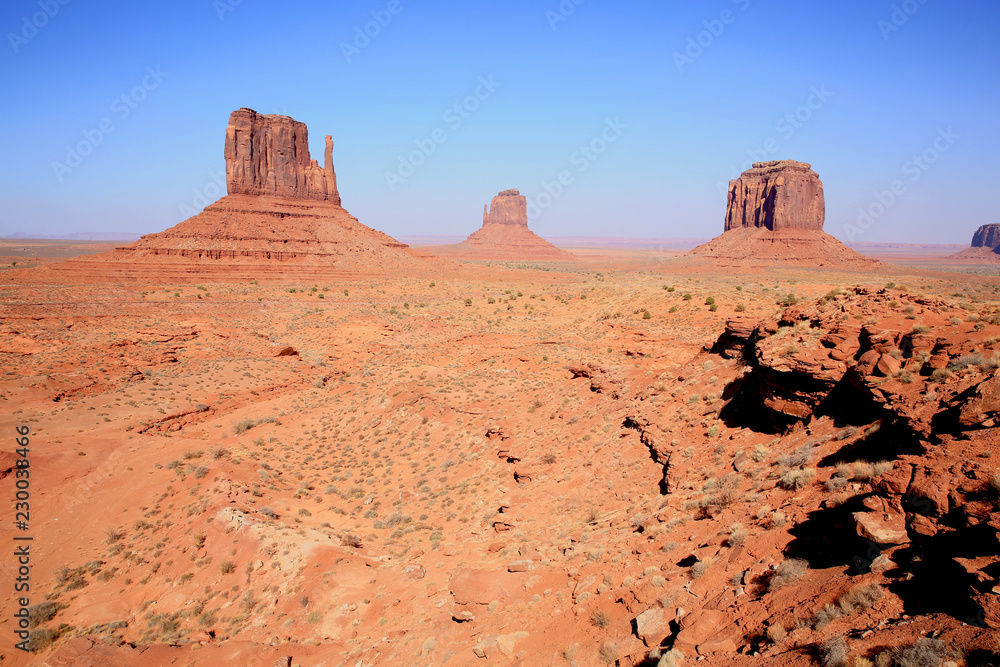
282	214
505	235
985	246
775	213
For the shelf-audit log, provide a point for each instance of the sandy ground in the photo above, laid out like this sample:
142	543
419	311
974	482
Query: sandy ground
513	460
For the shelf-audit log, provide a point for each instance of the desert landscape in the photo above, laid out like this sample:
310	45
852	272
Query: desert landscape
271	435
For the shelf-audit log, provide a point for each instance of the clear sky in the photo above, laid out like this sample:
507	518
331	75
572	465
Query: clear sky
671	100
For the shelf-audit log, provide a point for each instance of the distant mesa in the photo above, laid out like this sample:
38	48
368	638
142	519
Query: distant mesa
985	246
283	211
505	235
987	236
775	213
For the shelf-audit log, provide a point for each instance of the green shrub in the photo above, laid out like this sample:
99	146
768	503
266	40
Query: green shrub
788	300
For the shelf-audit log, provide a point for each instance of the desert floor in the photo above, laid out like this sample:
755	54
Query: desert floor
512	460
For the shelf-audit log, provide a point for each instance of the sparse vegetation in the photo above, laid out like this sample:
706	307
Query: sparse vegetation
787	573
797	478
834	652
600	619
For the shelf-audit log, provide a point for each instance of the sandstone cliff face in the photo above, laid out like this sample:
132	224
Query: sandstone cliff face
509	207
987	236
778	195
269	155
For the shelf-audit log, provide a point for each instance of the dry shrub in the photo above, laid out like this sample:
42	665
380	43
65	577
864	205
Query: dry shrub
737	535
787	573
798	478
834	652
859	597
609	652
863	470
600	619
925	653
672	658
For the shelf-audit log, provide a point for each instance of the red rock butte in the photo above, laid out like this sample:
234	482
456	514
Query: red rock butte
282	216
775	213
505	234
985	246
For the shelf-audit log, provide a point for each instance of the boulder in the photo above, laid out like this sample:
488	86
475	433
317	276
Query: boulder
707	630
888	365
983	405
652	626
882	528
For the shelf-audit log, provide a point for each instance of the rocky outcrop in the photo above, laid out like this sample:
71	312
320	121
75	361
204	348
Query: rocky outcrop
269	155
778	195
987	236
775	214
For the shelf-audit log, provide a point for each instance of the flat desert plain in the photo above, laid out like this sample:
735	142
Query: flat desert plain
626	460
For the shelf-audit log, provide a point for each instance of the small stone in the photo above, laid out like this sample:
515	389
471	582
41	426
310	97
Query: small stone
520	566
652	626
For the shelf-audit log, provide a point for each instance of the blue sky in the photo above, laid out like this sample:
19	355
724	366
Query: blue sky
668	120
